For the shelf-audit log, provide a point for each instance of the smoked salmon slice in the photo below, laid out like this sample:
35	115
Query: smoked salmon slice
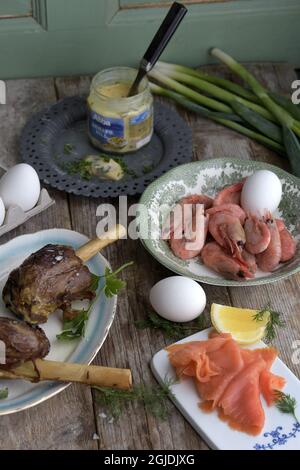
229	379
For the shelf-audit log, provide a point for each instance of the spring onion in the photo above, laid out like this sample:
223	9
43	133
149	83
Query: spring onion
283	117
292	146
287	104
219	81
188	92
221	118
215	91
257	121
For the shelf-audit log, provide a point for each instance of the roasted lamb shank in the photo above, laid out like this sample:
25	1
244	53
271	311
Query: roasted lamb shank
25	348
52	278
22	342
48	280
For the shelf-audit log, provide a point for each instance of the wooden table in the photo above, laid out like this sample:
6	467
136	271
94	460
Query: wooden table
70	420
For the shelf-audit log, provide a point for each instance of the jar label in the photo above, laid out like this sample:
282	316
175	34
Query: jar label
121	133
106	129
140	117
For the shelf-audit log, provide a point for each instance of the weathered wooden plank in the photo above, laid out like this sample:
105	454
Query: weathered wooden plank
66	421
23	98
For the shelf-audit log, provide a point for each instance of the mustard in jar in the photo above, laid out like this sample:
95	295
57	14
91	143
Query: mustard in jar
118	123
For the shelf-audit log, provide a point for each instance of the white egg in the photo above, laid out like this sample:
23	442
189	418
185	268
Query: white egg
20	186
262	192
2	212
178	299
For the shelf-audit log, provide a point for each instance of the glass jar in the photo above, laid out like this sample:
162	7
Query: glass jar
118	123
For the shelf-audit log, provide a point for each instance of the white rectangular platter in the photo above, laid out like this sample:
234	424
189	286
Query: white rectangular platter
281	431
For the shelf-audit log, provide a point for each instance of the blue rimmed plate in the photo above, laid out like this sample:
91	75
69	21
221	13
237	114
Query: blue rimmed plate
23	395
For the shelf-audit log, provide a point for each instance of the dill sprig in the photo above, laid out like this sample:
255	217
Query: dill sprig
274	321
154	398
286	404
171	329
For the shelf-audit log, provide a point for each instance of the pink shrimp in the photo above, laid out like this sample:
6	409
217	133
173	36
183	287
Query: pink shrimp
176	216
216	258
288	243
258	235
250	261
232	209
269	259
228	232
197	199
229	195
187	241
280	224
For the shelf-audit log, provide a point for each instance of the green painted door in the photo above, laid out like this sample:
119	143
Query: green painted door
68	37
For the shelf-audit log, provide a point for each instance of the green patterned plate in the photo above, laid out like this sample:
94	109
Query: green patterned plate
208	177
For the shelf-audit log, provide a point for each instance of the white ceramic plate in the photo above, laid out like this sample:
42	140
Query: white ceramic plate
281	432
23	394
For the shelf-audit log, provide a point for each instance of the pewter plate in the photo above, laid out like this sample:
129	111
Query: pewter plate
44	139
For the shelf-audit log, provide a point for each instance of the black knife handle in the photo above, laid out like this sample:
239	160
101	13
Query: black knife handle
163	35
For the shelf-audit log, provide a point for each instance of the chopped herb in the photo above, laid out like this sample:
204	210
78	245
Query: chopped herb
273	322
75	328
106	158
286	404
81	167
68	149
171	329
126	170
154	399
3	393
148	168
84	167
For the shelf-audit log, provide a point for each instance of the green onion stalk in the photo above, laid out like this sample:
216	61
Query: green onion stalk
213	90
219	81
188	92
225	119
283	117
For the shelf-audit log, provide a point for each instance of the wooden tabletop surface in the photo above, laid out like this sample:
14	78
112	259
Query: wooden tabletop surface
73	418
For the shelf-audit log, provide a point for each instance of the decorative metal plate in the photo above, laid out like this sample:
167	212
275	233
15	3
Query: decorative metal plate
57	136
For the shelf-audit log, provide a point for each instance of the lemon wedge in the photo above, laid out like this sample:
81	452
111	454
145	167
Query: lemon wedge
239	323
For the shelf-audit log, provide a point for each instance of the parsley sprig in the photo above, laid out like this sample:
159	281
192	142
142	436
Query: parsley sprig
286	404
75	328
112	283
274	321
154	398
